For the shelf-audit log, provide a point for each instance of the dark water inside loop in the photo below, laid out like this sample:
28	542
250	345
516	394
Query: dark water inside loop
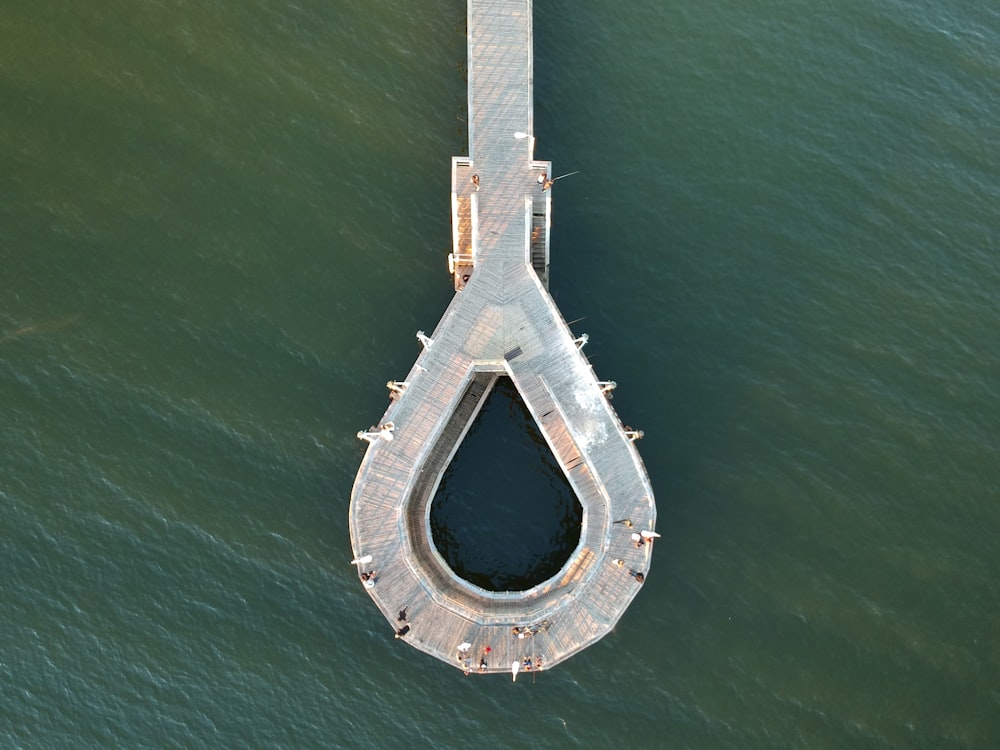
504	516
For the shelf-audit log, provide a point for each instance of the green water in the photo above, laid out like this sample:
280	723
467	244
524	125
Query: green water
221	225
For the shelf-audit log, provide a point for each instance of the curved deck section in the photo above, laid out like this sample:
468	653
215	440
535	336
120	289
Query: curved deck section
501	321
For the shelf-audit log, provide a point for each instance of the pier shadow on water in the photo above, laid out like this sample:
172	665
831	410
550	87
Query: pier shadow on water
504	517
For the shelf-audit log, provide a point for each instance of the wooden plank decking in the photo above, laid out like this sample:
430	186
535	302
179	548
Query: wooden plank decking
501	321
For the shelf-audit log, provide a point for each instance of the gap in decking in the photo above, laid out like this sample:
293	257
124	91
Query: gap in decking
504	517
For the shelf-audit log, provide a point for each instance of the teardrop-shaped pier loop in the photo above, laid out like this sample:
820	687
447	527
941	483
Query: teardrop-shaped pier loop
502	321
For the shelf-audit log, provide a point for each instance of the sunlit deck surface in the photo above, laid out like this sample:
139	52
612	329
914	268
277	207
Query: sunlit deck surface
501	322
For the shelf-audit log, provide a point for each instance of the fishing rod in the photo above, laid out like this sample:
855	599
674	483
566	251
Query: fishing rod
548	183
568	174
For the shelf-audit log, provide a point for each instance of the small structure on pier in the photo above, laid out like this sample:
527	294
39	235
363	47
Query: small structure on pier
501	322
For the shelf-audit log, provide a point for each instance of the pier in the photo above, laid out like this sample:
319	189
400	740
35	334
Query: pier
502	322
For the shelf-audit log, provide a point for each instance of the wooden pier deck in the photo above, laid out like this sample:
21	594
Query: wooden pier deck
501	322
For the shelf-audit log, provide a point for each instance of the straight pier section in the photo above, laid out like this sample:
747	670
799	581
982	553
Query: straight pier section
501	322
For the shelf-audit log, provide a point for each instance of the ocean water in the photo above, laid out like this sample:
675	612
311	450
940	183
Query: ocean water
221	225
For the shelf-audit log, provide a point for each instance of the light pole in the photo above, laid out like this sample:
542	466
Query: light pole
531	143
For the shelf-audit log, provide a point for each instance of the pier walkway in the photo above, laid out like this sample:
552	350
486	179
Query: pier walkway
501	322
